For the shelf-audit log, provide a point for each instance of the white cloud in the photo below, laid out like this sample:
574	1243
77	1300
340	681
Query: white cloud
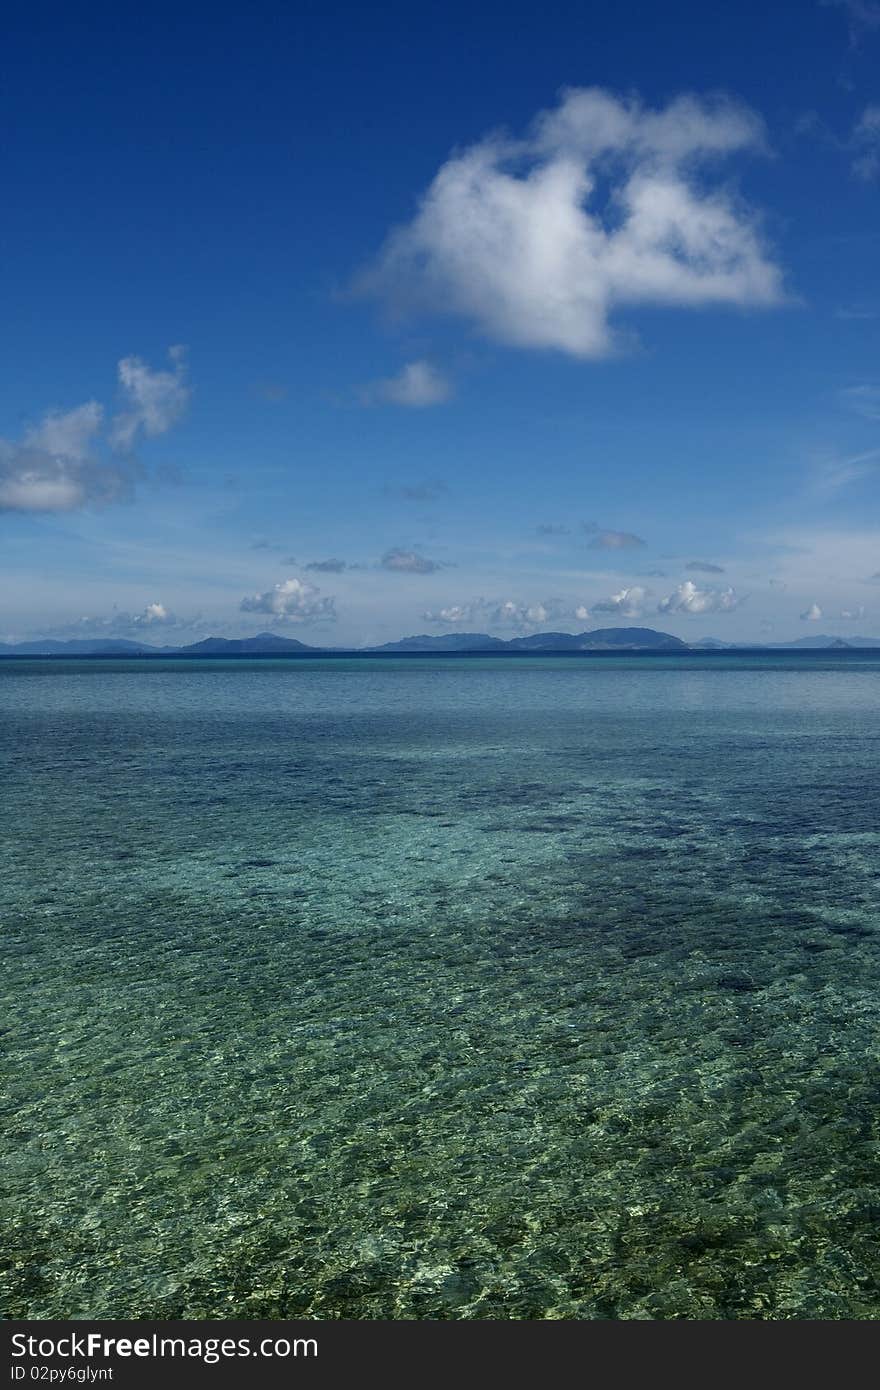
50	469
455	614
36	483
66	435
408	562
155	400
524	616
154	613
57	465
687	598
120	623
418	384
533	616
539	241
812	614
853	615
503	613
625	604
292	601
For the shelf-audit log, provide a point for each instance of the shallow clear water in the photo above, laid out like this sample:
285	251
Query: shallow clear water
442	988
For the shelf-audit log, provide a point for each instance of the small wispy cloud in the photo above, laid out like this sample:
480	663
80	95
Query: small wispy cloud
866	143
863	399
833	475
331	566
154	400
860	144
66	434
862	16
602	539
272	391
417	384
704	567
857	313
428	490
408	562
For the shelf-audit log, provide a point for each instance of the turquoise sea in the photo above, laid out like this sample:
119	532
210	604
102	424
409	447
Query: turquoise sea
441	988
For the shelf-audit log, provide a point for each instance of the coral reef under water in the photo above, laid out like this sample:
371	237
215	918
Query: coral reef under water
541	989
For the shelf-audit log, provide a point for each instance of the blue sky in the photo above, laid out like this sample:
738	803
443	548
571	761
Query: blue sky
349	323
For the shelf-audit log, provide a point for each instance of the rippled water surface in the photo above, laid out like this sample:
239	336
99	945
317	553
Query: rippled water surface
522	988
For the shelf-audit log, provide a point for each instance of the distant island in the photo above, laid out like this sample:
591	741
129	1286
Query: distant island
607	639
603	639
